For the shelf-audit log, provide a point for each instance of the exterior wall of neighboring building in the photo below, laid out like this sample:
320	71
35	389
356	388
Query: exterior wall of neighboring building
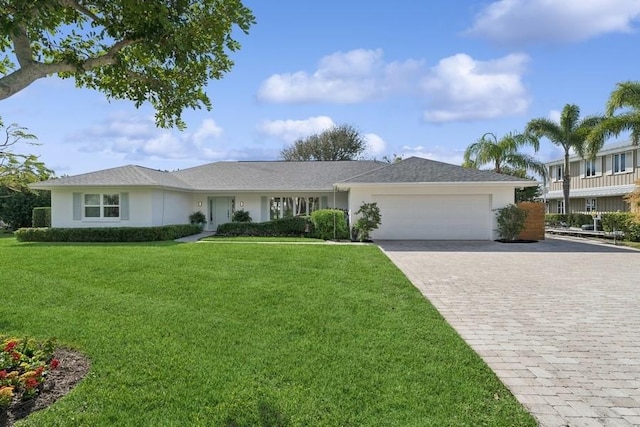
599	185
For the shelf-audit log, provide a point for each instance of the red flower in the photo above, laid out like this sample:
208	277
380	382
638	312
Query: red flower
54	364
15	355
3	374
39	371
10	346
31	383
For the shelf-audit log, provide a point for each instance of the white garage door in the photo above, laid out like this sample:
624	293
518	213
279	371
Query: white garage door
434	217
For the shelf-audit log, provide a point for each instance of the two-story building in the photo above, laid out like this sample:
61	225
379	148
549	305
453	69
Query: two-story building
597	185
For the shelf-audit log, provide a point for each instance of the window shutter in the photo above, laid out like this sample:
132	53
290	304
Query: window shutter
599	166
628	162
264	209
124	206
77	206
324	202
582	168
609	165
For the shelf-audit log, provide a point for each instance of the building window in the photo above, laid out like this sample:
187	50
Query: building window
591	205
590	168
281	207
619	162
558	174
560	206
102	205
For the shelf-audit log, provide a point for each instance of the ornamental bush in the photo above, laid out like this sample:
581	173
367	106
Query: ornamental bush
511	221
330	224
241	216
110	234
369	220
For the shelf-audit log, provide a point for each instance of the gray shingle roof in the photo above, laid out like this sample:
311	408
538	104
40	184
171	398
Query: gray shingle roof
280	175
416	169
123	176
275	175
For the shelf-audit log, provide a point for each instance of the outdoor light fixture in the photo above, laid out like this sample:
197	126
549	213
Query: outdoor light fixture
200	203
241	204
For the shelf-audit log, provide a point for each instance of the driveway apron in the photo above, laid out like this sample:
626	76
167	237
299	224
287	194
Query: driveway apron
558	320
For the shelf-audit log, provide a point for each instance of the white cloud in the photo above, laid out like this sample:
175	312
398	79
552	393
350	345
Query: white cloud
290	130
375	145
517	22
440	154
137	138
342	77
461	88
555	115
208	129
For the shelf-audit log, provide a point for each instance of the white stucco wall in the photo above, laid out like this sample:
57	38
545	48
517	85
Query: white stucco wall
62	208
147	208
499	195
170	207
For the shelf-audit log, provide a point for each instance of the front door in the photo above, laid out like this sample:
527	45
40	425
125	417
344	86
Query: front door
220	211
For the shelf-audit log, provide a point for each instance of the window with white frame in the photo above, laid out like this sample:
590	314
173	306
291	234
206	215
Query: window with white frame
560	206
558	173
590	205
590	168
102	205
619	162
281	207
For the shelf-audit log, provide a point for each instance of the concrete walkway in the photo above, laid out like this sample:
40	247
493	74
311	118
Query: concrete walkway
195	237
558	321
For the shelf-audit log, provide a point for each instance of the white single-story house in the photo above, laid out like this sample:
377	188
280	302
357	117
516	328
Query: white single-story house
418	198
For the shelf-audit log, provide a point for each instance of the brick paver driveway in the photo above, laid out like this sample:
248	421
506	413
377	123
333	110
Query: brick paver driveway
558	321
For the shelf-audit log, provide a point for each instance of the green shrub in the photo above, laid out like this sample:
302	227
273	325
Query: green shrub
41	217
555	220
579	219
197	218
283	227
110	234
369	220
511	221
330	224
616	221
241	216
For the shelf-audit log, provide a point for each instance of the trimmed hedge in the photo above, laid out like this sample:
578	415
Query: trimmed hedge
571	220
622	222
324	221
41	217
283	227
110	234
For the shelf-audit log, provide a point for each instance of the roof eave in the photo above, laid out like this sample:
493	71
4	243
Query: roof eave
435	184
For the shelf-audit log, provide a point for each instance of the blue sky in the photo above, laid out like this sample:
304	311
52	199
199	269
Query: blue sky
416	78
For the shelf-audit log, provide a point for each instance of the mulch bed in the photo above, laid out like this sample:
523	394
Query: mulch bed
60	381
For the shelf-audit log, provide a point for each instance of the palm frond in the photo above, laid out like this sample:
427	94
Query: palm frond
626	94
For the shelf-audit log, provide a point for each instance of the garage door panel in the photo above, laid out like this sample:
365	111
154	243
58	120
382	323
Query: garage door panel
434	217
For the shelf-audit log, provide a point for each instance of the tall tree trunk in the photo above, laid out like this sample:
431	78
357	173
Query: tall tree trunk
566	182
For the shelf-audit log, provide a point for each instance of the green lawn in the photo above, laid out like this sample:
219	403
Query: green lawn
246	335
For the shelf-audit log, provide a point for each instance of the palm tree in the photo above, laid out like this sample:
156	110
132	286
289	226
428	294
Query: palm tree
503	153
571	133
625	95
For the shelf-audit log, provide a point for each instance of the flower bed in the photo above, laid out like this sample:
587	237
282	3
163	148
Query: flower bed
24	366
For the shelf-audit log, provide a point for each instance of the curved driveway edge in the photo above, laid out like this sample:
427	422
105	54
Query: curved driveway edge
558	321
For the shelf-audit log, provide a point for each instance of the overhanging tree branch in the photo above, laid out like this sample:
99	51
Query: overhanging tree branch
27	74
